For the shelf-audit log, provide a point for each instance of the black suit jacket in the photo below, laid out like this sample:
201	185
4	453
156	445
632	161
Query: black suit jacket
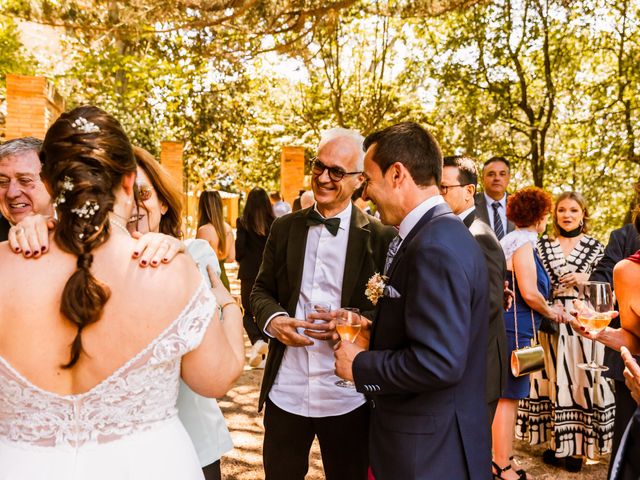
623	242
482	211
277	286
249	248
4	228
497	359
425	368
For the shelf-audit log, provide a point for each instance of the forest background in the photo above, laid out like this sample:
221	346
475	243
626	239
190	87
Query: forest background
552	85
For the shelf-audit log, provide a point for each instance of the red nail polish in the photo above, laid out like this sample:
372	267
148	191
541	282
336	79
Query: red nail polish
43	249
154	263
143	263
135	254
165	260
27	253
17	249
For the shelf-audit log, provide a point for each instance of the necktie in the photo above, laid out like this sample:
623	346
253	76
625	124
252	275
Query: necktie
391	252
332	224
497	223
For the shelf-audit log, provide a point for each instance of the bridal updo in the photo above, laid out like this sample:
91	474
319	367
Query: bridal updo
84	157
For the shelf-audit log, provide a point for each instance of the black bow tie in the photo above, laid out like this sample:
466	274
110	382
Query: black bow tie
332	224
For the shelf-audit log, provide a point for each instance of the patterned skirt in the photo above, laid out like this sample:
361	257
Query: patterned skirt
571	408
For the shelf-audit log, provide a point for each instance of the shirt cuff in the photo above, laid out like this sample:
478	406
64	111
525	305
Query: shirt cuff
277	314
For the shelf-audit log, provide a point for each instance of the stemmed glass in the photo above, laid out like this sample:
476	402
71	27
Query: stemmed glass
594	315
348	327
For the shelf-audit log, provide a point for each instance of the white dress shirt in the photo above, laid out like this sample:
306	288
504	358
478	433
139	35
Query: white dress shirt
502	211
305	384
414	216
466	213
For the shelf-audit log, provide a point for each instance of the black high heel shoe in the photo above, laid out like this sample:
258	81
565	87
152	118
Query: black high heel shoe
522	475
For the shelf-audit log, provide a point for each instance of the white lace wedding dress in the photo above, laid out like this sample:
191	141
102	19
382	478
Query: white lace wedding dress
126	427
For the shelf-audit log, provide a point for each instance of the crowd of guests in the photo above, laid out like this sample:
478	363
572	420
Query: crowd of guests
469	276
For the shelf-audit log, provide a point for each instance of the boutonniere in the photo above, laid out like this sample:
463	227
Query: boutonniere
375	287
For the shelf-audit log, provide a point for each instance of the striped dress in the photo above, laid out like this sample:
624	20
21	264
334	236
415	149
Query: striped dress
571	408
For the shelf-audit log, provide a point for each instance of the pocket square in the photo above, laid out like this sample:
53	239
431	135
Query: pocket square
391	292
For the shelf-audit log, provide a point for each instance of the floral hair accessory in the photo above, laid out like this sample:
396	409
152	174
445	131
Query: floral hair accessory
88	210
67	186
85	126
375	287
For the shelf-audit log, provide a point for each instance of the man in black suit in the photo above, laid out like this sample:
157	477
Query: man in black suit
491	203
425	369
459	180
322	254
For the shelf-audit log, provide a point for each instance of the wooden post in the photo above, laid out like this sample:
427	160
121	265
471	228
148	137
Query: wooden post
291	172
33	104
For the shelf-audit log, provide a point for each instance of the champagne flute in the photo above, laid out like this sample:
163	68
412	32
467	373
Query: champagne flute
595	315
348	326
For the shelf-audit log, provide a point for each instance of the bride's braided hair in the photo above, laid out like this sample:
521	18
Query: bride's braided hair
84	157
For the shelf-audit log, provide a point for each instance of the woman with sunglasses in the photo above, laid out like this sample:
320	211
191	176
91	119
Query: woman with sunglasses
160	211
213	229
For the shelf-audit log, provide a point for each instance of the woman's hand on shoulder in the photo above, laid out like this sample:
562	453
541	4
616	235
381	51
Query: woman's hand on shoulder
31	236
155	248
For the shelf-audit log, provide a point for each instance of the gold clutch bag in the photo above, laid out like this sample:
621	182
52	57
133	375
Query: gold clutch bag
527	360
530	359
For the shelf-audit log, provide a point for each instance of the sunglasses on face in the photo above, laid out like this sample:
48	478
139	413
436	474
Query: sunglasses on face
144	191
335	173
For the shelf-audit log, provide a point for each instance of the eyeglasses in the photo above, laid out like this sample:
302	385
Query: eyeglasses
336	174
144	191
445	188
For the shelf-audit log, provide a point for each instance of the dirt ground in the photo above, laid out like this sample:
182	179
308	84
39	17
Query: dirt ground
244	462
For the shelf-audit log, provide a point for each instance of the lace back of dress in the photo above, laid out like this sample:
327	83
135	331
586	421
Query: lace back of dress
135	397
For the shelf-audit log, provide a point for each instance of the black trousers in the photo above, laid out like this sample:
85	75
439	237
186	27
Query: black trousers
249	324
212	471
344	444
625	408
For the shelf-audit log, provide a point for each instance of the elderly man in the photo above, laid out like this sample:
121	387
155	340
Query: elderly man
459	180
492	202
324	254
25	200
425	367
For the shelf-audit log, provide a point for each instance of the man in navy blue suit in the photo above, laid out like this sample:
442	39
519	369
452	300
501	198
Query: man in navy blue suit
424	372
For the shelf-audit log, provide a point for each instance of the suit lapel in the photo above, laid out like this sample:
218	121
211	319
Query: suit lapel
296	247
468	220
358	237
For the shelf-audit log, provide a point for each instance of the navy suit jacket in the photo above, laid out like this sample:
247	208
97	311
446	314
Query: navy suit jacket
425	370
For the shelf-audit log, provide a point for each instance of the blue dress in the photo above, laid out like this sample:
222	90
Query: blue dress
518	387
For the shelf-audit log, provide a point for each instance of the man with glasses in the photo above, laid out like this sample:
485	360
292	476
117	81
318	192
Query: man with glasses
323	254
22	193
458	186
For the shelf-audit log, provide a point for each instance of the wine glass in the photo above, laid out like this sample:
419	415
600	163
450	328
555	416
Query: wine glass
348	327
595	315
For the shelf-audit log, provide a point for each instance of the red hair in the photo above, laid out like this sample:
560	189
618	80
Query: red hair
528	206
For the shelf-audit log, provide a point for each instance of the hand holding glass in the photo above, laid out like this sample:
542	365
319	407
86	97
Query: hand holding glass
315	307
595	315
348	326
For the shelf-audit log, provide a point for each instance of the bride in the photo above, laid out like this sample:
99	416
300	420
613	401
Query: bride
91	346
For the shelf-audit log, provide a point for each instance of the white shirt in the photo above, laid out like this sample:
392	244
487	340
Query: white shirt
414	216
466	213
502	211
305	384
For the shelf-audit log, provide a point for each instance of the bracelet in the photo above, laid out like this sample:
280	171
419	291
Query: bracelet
232	302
